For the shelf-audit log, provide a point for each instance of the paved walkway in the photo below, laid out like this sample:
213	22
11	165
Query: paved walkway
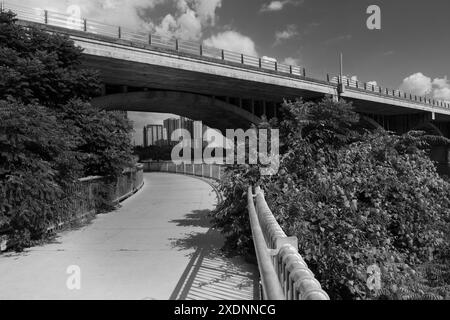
158	245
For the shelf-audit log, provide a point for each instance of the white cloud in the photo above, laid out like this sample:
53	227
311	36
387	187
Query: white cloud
269	59
288	33
421	85
417	84
441	89
113	12
232	41
291	61
189	20
277	5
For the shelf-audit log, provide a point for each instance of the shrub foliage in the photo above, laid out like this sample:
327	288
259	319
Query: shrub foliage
354	198
49	134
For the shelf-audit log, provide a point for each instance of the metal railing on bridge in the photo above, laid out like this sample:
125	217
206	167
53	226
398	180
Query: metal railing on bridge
152	41
372	88
66	21
284	273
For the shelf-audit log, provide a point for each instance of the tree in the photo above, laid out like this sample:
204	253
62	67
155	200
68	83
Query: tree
49	134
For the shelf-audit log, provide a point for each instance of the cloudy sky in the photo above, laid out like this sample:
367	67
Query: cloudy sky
410	52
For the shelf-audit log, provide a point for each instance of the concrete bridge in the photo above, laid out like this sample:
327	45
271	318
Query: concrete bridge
146	72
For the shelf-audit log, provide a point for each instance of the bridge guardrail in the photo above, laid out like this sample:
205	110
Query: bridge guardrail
89	26
394	93
284	273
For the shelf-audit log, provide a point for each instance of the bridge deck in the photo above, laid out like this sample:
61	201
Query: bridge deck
158	245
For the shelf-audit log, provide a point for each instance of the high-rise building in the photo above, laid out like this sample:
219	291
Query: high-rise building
172	124
153	135
199	130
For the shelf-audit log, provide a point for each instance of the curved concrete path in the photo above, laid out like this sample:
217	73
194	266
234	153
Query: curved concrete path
157	245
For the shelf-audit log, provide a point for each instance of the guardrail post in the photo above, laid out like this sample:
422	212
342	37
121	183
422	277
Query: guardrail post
290	69
150	39
242	58
201	50
119	32
276	66
223	54
176	44
45	16
304	72
259	62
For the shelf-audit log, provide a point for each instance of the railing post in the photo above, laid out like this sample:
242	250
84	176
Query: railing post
304	72
84	25
276	66
201	50
119	32
242	58
328	77
290	69
45	16
259	62
150	39
223	54
176	44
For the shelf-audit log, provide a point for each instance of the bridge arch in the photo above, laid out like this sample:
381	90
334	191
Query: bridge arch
429	127
369	122
212	112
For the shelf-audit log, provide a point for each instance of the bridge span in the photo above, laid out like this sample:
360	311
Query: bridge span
157	245
224	89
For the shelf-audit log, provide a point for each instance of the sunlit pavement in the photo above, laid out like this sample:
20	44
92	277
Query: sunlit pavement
157	245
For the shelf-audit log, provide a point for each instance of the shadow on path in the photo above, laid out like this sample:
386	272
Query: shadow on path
210	274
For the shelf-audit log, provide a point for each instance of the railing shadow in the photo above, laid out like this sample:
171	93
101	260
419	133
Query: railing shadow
210	274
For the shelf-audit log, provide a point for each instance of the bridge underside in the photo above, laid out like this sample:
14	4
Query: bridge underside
143	75
212	112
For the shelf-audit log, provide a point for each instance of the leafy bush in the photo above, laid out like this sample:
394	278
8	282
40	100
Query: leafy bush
49	134
353	198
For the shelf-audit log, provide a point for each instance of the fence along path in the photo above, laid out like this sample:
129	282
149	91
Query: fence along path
284	274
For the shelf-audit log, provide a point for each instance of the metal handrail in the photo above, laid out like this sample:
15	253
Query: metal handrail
393	93
213	171
271	287
280	264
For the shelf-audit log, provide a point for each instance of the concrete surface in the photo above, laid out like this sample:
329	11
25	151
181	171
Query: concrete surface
158	245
